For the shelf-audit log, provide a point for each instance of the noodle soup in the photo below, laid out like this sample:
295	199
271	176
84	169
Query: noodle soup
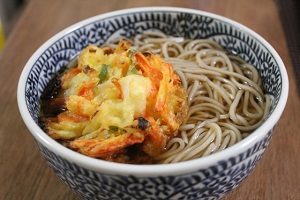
224	97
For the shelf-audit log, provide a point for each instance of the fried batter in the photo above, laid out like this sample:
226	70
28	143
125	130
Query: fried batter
118	101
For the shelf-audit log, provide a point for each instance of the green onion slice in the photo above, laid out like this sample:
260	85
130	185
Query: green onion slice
103	73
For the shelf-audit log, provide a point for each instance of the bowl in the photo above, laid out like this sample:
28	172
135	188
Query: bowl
210	177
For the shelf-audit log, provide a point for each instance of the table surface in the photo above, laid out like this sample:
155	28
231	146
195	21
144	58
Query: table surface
23	172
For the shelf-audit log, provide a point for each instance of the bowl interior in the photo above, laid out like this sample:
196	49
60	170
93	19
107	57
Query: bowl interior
63	47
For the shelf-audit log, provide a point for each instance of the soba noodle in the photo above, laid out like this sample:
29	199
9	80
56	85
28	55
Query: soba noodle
225	96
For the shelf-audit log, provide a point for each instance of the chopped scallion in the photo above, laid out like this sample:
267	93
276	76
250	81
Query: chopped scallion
103	73
132	69
113	128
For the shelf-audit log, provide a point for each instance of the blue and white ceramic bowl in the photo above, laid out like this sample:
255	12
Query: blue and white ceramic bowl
210	177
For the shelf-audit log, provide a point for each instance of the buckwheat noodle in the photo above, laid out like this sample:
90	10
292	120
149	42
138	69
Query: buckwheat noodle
225	96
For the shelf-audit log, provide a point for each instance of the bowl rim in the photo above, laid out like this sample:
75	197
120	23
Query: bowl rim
159	169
